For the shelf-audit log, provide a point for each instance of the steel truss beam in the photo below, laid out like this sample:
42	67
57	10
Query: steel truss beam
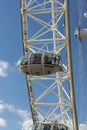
45	28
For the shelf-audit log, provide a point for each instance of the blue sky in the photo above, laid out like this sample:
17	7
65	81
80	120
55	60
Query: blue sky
14	103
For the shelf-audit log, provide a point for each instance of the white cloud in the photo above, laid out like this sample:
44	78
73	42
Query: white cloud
24	114
3	68
3	122
1	107
83	127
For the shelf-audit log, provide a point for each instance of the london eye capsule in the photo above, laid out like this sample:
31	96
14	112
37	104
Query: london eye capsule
51	127
40	64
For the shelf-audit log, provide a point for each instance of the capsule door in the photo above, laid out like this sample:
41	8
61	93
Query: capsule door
36	64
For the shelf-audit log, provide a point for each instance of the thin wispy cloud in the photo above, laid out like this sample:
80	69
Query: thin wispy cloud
26	120
3	68
23	113
1	107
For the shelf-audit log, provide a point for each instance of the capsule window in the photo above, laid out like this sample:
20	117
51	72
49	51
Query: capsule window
47	59
35	59
53	59
47	127
24	60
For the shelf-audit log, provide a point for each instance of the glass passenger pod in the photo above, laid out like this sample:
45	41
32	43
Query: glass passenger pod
52	127
40	64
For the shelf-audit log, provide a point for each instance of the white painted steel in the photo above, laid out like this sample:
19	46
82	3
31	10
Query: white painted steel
51	97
